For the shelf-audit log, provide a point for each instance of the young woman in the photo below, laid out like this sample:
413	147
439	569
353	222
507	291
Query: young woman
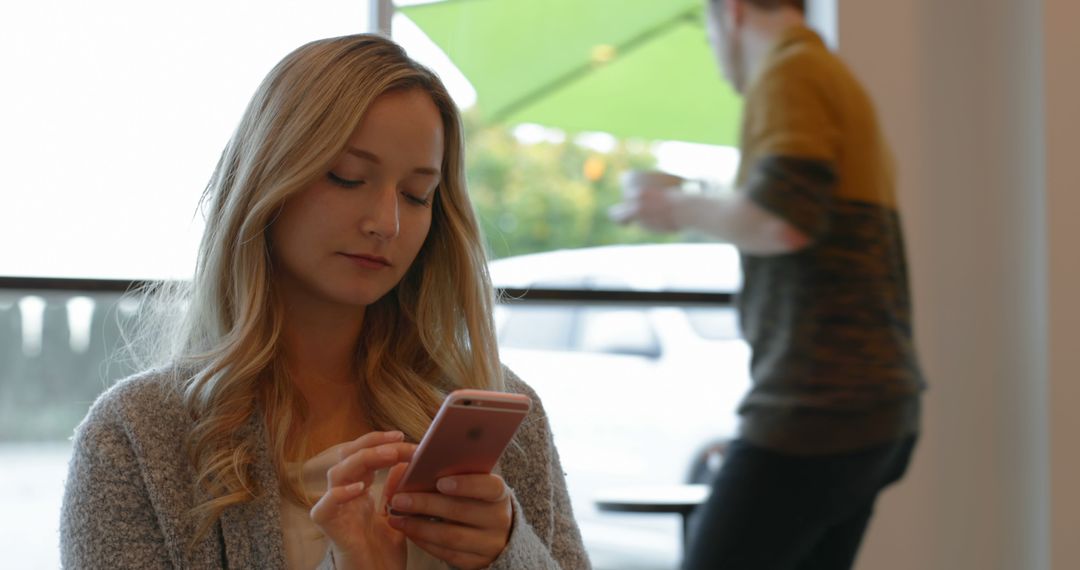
341	292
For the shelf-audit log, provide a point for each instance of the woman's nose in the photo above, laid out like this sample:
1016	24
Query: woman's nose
383	219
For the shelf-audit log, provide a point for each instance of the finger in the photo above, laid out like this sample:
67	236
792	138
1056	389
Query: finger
456	558
369	439
362	464
327	505
652	179
449	536
467	512
653	196
393	479
631	179
622	213
484	487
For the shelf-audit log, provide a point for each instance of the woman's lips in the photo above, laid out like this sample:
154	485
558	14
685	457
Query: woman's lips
368	261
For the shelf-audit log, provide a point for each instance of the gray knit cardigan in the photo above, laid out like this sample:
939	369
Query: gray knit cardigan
130	487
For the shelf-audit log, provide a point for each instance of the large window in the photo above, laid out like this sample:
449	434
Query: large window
561	97
114	113
112	117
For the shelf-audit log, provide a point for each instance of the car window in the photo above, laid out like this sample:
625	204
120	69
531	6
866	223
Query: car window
537	327
714	323
617	331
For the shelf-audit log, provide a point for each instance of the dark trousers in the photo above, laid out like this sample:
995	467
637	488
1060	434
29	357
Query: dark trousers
774	511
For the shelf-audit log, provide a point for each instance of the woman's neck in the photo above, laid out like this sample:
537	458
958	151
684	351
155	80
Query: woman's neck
321	359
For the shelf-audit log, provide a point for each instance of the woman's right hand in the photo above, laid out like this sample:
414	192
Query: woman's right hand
359	534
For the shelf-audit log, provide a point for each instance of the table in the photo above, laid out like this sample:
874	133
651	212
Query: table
674	499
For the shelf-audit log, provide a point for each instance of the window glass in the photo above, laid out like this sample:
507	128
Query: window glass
714	323
537	327
112	116
542	169
618	331
632	392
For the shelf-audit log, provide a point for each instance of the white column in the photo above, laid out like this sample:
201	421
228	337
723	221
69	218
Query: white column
979	101
821	15
1062	95
380	14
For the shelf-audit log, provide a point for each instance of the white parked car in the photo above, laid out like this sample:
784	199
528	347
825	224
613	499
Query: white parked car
634	392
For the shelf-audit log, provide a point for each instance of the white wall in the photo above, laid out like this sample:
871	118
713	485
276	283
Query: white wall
822	17
976	98
1061	45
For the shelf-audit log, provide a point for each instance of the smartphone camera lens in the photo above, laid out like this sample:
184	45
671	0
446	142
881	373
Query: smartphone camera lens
466	403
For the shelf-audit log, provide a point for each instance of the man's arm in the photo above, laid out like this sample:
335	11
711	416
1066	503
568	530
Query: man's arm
738	220
730	217
781	209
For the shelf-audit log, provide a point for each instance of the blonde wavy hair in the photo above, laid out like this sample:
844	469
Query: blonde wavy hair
432	333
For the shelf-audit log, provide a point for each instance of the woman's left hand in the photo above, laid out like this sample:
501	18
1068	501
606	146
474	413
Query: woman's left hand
474	516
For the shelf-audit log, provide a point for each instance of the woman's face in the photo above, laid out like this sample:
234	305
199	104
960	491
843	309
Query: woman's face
350	237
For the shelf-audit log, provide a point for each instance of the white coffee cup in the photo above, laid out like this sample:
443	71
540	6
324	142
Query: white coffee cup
635	181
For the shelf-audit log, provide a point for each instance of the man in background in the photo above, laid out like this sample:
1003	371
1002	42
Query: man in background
833	413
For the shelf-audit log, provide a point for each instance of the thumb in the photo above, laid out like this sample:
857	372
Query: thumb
622	213
393	479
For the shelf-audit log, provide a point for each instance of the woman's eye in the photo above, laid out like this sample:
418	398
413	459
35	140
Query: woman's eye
416	199
343	182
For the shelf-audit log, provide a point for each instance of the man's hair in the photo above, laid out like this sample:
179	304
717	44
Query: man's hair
799	5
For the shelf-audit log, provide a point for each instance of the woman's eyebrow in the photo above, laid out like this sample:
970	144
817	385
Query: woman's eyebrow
363	154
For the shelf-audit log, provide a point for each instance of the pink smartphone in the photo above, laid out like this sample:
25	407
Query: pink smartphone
467	436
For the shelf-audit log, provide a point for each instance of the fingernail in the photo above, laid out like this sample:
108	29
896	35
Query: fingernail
397	522
401	501
394	435
446	485
355	487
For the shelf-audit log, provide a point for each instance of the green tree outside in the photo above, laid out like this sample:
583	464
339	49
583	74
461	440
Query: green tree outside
545	196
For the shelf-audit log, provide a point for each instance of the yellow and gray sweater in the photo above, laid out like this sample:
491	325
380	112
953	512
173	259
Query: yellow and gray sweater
834	366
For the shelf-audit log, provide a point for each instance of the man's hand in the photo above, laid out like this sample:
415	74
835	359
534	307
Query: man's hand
651	199
655	201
